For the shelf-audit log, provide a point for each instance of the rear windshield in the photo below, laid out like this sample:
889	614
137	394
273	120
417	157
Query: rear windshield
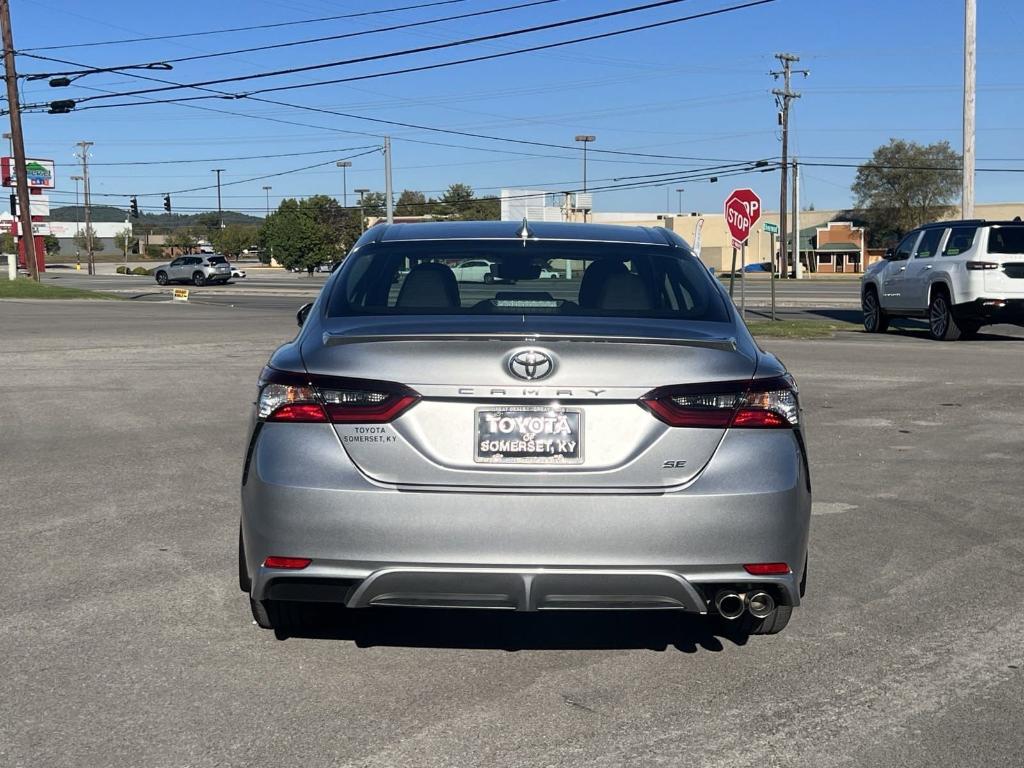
216	259
1006	239
546	278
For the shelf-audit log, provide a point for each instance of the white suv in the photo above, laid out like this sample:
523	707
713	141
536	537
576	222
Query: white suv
960	275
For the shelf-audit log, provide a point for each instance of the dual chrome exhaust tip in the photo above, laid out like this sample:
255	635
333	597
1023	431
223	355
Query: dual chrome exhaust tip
731	605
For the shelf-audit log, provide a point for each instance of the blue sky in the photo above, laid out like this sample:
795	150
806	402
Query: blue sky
698	89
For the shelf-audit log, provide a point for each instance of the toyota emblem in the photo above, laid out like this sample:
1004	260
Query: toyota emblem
530	364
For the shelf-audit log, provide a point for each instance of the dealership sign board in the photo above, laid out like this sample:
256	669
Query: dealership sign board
40	173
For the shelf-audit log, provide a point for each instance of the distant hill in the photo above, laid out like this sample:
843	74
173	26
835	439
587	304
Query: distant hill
156	221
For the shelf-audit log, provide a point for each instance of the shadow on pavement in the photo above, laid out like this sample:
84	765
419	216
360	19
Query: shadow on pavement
513	631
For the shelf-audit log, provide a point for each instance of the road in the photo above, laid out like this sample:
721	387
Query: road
127	643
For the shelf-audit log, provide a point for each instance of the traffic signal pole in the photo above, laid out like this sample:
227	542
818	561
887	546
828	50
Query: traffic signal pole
27	240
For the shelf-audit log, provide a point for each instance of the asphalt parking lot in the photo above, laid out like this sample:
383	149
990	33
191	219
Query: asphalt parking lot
127	643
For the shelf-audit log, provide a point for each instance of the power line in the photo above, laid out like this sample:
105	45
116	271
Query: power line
205	33
239	157
363	32
415	126
441	46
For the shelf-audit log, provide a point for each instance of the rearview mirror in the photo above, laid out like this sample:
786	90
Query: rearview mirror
889	254
303	313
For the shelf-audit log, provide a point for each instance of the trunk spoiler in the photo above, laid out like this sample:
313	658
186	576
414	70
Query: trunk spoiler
339	339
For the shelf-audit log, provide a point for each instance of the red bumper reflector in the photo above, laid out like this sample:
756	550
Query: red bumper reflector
766	569
289	563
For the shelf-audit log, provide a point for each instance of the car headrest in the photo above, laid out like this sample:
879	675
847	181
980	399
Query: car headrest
594	279
429	286
625	292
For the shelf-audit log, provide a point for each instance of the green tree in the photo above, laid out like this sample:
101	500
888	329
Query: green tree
51	243
7	244
460	202
374	204
126	233
412	203
182	239
84	236
906	184
296	237
233	239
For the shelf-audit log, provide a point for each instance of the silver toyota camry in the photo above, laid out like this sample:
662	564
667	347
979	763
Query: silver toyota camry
610	438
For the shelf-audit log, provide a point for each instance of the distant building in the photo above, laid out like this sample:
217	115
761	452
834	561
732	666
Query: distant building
106	234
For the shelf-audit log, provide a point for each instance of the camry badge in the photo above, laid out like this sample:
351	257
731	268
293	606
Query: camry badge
530	364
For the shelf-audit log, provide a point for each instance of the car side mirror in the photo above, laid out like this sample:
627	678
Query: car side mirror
889	254
303	313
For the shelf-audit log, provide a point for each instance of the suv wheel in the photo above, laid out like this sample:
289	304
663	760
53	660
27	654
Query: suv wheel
198	278
942	325
875	319
161	278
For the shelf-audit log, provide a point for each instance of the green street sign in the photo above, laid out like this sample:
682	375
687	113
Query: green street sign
771	229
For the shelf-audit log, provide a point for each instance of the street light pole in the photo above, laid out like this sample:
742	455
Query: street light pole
585	139
680	190
344	165
220	212
267	190
362	218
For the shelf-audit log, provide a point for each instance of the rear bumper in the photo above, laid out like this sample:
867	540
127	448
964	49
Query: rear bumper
993	310
373	545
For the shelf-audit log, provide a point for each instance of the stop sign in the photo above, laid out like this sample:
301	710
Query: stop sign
742	210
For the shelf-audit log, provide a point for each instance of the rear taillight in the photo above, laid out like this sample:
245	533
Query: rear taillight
979	265
761	403
298	397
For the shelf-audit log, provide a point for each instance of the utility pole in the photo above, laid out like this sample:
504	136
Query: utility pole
782	97
84	157
797	271
970	56
344	165
388	191
78	223
18	142
797	266
220	211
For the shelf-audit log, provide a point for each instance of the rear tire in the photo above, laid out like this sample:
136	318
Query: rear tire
198	278
161	278
770	625
875	319
942	323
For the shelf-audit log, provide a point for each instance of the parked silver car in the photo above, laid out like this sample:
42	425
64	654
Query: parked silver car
198	270
614	440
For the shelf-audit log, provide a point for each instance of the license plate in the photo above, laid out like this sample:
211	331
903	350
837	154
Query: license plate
529	434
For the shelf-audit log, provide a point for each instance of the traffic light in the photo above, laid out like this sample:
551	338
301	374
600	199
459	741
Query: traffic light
135	207
167	203
14	205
